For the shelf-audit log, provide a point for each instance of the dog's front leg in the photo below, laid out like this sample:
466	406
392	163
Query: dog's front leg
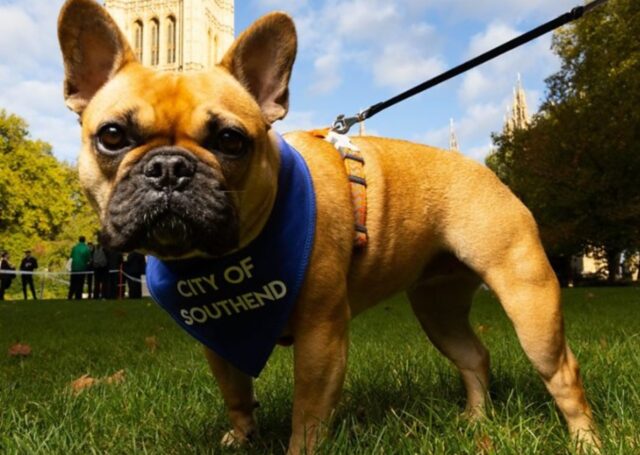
237	392
320	357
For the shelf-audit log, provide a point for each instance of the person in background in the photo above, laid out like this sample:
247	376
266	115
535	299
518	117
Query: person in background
29	264
90	269
80	256
114	262
7	277
134	268
100	272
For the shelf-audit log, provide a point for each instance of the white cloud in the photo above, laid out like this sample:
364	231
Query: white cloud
18	38
394	43
298	121
478	121
481	118
284	5
364	20
474	85
403	64
34	96
514	9
495	34
28	34
31	73
380	36
42	105
488	81
327	72
486	94
391	40
438	137
479	153
401	71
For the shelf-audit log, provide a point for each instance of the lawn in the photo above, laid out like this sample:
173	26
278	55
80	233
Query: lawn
400	395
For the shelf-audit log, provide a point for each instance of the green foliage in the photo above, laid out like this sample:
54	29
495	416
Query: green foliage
42	207
577	166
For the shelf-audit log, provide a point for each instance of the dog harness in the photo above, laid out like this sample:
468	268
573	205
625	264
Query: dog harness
354	165
238	305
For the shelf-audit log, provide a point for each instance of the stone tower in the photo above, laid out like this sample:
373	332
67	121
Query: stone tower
176	35
453	138
518	118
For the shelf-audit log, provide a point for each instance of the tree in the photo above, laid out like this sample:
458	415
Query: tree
41	204
36	191
577	165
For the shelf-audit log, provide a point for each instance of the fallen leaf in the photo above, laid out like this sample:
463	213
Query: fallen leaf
116	378
485	445
120	313
83	382
20	350
152	343
86	381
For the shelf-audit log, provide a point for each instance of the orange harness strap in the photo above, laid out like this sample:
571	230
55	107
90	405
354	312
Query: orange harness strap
354	165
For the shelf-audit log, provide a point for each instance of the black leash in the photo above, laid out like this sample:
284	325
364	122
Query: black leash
343	124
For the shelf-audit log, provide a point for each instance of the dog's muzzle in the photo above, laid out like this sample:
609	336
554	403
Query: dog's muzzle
171	204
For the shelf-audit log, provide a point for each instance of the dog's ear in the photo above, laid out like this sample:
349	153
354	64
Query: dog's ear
93	49
262	58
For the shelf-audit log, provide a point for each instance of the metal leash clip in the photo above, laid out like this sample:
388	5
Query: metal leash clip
343	124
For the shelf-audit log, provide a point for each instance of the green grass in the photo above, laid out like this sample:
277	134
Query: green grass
400	395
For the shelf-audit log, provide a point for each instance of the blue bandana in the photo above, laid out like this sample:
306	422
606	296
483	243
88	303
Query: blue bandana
238	305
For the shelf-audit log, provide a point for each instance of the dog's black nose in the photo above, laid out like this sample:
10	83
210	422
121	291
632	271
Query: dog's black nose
169	171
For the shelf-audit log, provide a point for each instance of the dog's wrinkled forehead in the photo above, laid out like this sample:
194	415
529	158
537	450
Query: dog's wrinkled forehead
173	106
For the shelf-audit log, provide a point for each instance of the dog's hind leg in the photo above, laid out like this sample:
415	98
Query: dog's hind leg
505	251
237	392
529	292
442	303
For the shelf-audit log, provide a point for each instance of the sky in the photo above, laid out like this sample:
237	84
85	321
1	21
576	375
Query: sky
352	54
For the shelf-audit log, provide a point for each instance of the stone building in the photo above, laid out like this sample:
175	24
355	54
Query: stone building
453	138
176	35
518	117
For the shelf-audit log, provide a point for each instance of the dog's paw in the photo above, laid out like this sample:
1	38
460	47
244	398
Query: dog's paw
235	439
588	442
474	414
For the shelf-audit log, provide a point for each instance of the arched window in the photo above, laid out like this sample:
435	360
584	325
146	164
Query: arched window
171	40
138	39
215	49
209	50
155	42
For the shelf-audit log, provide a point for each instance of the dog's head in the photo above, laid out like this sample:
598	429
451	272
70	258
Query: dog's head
176	164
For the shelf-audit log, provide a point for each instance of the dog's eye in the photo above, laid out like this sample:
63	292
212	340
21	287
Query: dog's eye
112	138
231	142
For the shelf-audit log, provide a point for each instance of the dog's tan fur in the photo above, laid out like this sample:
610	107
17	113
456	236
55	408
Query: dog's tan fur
439	223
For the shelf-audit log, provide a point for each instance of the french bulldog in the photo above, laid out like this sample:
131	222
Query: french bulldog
184	165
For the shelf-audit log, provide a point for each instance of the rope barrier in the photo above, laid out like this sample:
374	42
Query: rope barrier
45	274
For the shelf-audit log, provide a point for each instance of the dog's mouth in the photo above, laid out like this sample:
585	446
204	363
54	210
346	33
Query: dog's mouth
171	205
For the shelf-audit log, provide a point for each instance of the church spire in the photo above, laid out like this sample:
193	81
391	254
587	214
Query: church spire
453	140
363	128
519	115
